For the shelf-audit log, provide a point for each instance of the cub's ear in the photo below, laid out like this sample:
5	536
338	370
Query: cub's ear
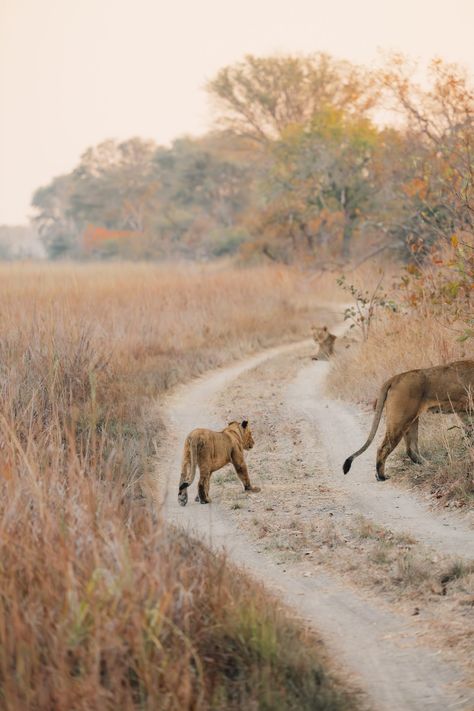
245	424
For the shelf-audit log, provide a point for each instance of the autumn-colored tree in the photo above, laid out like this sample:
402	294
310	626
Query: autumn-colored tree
325	170
438	130
434	210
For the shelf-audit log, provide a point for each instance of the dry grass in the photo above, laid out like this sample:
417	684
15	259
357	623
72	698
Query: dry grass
171	321
101	607
397	342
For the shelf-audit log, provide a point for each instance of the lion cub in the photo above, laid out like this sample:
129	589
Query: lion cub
329	344
211	451
325	342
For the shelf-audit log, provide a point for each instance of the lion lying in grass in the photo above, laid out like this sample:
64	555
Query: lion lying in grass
211	451
444	388
326	342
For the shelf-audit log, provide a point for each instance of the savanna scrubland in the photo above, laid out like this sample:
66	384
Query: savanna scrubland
102	604
300	182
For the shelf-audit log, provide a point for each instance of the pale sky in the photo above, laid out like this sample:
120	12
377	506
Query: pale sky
75	72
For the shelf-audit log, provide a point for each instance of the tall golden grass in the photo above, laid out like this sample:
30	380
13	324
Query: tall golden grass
101	607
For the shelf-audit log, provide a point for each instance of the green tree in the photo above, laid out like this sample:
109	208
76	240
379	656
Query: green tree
186	199
115	185
321	182
56	227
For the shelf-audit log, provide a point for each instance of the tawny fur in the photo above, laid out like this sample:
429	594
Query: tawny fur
443	388
327	341
210	451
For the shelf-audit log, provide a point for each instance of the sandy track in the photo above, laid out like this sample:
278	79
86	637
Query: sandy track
377	648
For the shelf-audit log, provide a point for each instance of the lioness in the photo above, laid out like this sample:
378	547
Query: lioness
211	451
444	388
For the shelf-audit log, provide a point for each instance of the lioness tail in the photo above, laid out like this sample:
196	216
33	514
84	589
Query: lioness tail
375	424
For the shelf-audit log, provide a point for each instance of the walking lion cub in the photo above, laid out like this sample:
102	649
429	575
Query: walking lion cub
211	451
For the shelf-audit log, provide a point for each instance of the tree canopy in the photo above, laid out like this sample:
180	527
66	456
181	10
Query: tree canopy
298	167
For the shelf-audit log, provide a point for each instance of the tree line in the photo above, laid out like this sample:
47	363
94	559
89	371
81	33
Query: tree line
311	158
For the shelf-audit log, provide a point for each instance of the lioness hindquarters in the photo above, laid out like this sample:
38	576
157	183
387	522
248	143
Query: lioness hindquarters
402	408
400	396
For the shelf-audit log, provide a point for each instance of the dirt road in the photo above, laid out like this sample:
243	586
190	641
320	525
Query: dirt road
301	439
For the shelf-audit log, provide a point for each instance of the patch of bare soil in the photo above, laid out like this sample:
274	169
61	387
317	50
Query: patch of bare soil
371	568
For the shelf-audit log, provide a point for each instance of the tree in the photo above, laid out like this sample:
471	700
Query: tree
114	185
260	97
184	199
56	227
321	184
300	170
438	130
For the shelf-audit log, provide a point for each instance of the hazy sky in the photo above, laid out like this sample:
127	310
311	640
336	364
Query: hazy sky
74	72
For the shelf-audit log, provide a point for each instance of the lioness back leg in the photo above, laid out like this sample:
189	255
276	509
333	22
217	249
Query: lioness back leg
411	442
401	411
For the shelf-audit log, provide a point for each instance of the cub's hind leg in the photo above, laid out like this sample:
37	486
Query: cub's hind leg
203	486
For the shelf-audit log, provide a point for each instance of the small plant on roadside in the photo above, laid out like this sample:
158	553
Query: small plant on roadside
366	304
